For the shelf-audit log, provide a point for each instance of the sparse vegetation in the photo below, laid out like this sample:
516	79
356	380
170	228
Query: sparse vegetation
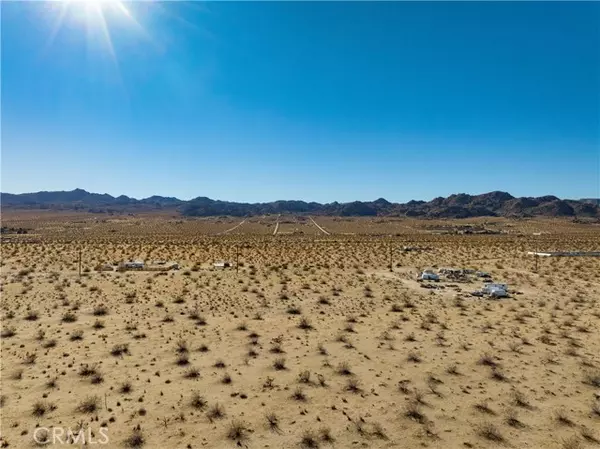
413	411
279	363
41	408
69	317
120	349
8	331
89	405
311	337
299	394
237	431
197	401
309	440
135	439
215	412
490	432
344	369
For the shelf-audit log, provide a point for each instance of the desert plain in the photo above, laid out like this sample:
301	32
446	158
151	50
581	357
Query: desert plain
319	334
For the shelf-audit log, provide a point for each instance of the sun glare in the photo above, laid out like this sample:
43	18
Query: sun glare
98	21
94	15
97	17
93	6
107	26
95	9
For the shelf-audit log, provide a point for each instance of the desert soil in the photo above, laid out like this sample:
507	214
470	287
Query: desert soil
311	342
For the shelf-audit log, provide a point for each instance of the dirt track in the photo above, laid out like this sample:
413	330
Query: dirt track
315	223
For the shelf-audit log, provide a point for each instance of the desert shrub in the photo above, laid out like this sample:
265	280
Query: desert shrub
344	369
8	331
215	412
490	432
119	349
309	440
197	401
237	431
32	315
279	363
305	323
100	310
89	405
136	439
69	317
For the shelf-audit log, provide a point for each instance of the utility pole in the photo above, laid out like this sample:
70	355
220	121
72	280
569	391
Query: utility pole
237	258
391	258
537	250
79	262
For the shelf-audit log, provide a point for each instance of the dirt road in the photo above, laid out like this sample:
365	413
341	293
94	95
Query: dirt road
232	229
315	223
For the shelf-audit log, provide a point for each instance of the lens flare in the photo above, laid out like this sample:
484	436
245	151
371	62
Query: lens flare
94	19
114	31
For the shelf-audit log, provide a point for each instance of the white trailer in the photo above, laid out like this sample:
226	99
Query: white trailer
134	265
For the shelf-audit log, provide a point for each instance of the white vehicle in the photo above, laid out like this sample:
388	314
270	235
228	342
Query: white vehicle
429	275
495	290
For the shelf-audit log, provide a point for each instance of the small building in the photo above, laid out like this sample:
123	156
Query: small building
134	265
565	254
221	264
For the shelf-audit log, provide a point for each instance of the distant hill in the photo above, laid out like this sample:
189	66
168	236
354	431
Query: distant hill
455	206
81	200
591	200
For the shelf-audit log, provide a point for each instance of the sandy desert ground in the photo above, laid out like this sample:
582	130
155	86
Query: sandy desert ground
312	342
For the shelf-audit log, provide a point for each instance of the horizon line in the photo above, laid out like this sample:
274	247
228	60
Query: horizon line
301	200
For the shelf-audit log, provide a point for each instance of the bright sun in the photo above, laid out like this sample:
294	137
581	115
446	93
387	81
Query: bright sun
100	4
95	10
95	16
97	22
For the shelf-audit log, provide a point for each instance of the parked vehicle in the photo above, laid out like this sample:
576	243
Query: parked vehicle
495	290
429	275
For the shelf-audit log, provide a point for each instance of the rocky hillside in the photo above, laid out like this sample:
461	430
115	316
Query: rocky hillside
455	206
81	200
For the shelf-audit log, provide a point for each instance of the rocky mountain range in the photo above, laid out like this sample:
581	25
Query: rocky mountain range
455	206
591	200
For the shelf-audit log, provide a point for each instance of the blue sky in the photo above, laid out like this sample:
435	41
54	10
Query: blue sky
317	101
